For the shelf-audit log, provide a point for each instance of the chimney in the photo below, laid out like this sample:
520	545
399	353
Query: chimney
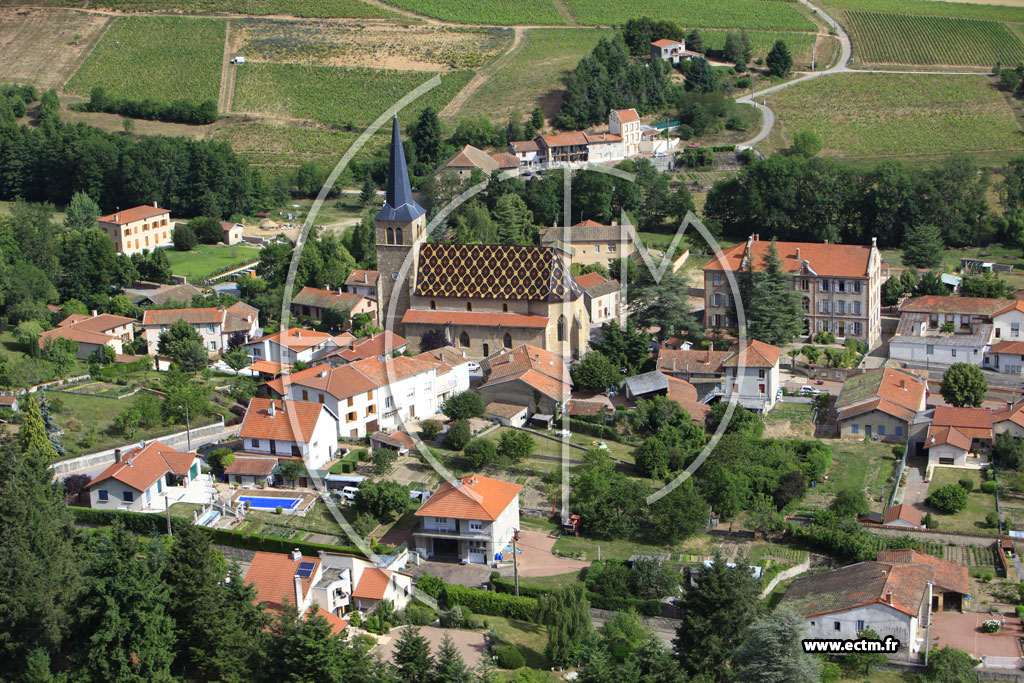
615	224
888	597
155	206
296	555
117	455
282	406
272	411
798	253
826	241
248	318
298	333
298	591
117	218
874	242
323	373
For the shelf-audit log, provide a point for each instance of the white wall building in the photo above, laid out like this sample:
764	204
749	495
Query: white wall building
139	478
291	345
216	326
290	430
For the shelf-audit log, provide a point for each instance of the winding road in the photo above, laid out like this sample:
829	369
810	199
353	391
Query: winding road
841	66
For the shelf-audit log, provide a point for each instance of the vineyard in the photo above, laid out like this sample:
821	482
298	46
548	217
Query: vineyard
750	14
498	12
160	58
334	95
355	9
279	149
885	38
533	74
965	10
866	115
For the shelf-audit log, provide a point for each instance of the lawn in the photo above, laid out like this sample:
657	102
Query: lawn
971	518
870	115
623	549
856	464
553	582
951	257
347	97
530	638
533	74
553	449
886	38
159	58
207	259
297	8
750	14
497	12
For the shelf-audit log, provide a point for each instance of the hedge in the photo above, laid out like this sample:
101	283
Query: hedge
151	524
503	585
116	370
481	601
648	608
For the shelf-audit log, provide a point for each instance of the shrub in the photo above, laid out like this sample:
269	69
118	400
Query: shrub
431	585
1020	611
929	521
990	626
418	615
457	617
278	510
825	337
988	487
966	484
429	429
992	519
509	657
480	452
950	498
736	123
486	602
355	619
458	435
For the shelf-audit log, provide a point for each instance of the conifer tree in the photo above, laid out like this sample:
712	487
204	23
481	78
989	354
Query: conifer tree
566	613
451	668
773	652
51	426
32	434
412	657
772	308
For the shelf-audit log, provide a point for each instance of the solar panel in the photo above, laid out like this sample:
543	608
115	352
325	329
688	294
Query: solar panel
305	570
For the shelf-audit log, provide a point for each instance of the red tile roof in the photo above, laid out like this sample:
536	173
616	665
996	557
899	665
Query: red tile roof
384	372
137	213
372	346
253	466
1014	413
828	260
948	575
579	407
362	277
1013	347
337	623
524	146
75	333
373	584
588	280
691	361
475	319
506	160
665	42
473	497
597	138
96	323
273	577
903	587
340	382
890	391
269	367
941	436
627	115
564	139
967	305
194	316
685	394
291	421
473	157
756	355
903	513
540	369
140	468
396	440
974	422
326	298
296	338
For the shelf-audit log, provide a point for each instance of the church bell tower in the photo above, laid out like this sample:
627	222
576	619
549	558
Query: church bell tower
400	226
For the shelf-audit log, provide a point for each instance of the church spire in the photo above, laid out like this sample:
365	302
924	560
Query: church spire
399	206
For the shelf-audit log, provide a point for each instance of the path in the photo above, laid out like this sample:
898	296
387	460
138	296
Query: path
841	66
482	76
566	13
227	75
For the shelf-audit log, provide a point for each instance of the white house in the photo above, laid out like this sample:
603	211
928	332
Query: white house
1009	420
1009	321
247	470
626	124
363	282
753	375
968	323
1006	357
218	326
138	478
290	430
528	153
452	371
601	297
93	332
471	520
233	232
955	432
669	50
290	345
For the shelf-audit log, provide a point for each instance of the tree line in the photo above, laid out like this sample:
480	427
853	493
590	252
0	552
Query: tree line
177	111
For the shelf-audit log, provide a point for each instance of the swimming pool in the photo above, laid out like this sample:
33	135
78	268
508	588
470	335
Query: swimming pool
266	503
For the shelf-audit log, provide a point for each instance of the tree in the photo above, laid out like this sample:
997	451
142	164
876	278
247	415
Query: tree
762	516
368	193
850	502
426	133
665	305
652	458
695	41
514	221
184	238
679	514
382	499
515	445
625	346
734	50
429	429
566	613
930	283
82	212
792	486
451	668
60	352
32	434
964	384
806	144
922	246
464	405
864	662
383	460
773	651
951	498
779	61
772	307
950	666
537	118
412	658
986	286
433	339
458	435
701	76
237	358
480	452
811	353
121	630
183	344
892	290
595	372
715	616
1008	451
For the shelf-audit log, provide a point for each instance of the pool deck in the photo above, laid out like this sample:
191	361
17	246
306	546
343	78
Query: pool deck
306	500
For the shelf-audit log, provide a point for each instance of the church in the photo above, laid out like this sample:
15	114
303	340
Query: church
483	297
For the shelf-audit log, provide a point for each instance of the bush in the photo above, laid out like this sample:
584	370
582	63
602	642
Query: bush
966	484
685	131
431	585
988	487
458	435
417	615
486	602
355	619
457	617
429	429
480	452
825	337
184	238
992	519
736	123
278	510
950	498
990	626
509	657
929	521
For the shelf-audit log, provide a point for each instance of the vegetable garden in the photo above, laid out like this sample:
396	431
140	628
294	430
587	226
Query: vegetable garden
158	58
888	38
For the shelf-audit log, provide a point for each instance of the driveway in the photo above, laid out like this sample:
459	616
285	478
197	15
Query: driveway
472	575
536	558
471	644
963	632
917	488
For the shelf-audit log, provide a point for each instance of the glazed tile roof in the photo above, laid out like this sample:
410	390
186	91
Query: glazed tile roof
473	497
829	260
256	466
949	576
965	305
903	513
273	577
141	467
137	213
373	584
893	392
491	271
903	587
290	421
474	319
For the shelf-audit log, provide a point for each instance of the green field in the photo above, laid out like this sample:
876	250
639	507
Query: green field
355	9
159	58
971	518
335	95
533	75
761	42
207	259
751	14
858	465
499	12
938	8
868	115
886	38
530	638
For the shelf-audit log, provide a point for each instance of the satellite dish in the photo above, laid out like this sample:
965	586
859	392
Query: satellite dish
394	275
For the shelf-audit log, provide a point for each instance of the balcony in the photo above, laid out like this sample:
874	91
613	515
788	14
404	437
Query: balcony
453	533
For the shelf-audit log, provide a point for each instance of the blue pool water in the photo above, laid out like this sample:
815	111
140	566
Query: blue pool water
270	503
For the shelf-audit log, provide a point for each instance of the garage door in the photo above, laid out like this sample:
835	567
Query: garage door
478	552
946	461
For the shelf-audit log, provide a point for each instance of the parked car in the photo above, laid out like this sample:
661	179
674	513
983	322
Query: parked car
349	492
563	433
658	155
238	60
474	366
807	390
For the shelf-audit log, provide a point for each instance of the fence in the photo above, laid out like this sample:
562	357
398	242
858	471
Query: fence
899	476
787	574
92	460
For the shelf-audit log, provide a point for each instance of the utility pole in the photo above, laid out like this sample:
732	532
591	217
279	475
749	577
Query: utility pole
188	429
515	558
928	626
167	509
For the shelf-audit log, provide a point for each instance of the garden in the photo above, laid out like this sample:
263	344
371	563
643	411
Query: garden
860	465
979	510
206	260
496	12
